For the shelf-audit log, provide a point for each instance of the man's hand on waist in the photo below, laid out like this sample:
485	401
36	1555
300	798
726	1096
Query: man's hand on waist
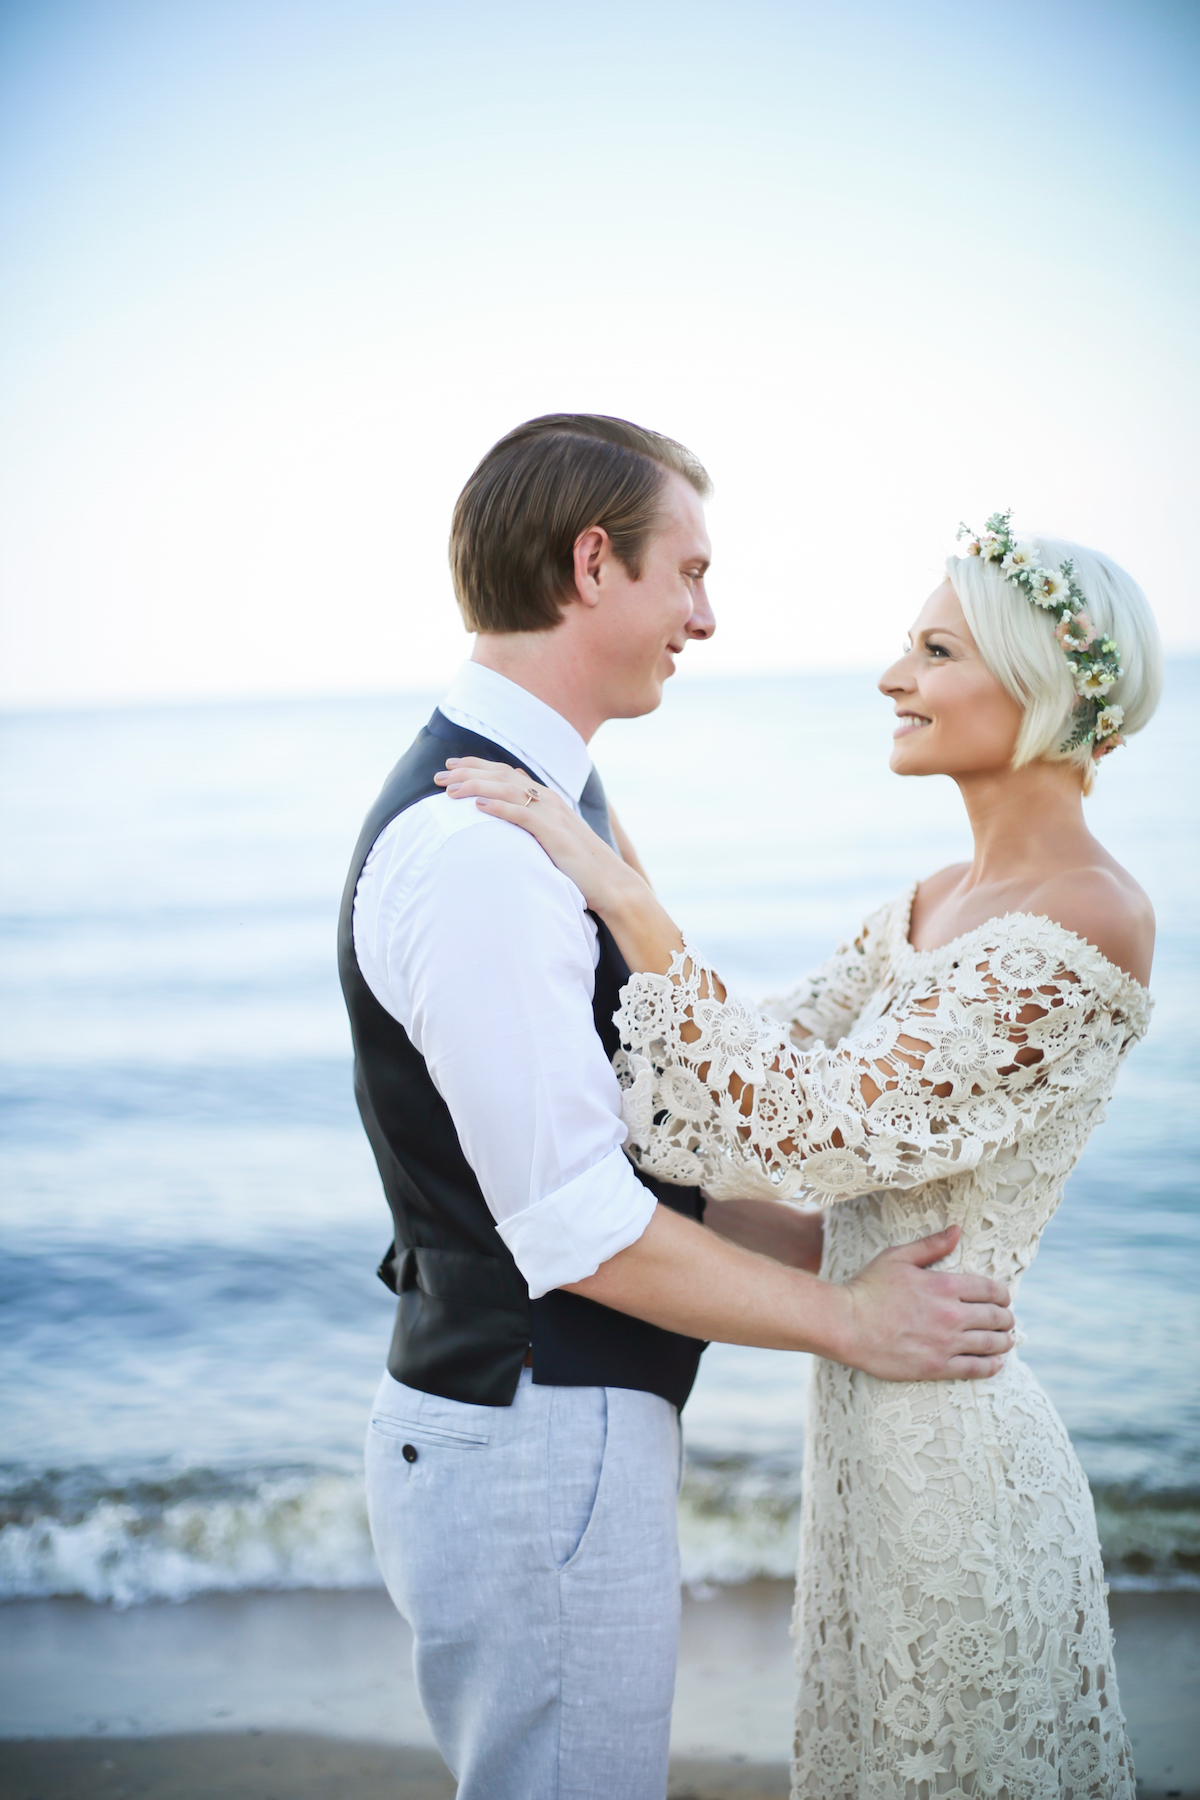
897	1319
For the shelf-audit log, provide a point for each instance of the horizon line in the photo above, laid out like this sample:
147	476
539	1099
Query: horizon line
43	708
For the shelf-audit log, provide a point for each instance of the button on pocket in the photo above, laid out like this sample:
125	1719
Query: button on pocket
409	1452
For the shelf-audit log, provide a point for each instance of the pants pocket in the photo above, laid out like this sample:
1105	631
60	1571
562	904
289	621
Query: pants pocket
578	1437
425	1431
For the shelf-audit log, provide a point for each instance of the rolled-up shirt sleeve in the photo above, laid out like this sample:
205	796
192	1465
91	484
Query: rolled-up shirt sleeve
482	950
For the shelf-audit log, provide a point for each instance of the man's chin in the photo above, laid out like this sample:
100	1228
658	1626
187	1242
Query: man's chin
638	702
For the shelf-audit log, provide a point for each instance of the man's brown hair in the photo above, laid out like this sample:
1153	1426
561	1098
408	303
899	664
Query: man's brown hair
512	542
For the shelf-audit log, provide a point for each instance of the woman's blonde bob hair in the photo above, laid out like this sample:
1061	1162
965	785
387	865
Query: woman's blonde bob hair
1017	642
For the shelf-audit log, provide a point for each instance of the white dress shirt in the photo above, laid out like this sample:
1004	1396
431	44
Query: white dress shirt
483	951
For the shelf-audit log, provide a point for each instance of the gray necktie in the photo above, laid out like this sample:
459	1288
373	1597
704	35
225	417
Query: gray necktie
594	807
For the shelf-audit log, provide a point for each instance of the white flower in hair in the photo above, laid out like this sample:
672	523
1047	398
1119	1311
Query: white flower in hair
1021	556
990	547
1050	587
1093	682
1109	721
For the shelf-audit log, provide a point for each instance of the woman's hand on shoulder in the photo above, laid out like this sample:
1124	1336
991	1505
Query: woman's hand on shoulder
646	934
1109	909
570	843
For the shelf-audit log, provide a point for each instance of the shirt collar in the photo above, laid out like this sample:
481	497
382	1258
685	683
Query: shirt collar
511	716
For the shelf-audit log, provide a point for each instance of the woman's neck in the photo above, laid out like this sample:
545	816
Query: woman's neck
1027	823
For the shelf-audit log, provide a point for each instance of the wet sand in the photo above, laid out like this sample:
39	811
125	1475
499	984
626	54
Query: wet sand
309	1696
273	1766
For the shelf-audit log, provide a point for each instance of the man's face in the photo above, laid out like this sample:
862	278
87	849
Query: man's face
642	626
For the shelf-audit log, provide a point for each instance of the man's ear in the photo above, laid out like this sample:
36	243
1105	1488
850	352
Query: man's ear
592	550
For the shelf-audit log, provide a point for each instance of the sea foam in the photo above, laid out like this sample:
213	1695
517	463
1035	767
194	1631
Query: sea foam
124	1542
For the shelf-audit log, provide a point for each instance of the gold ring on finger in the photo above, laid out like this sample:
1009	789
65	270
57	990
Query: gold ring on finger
531	795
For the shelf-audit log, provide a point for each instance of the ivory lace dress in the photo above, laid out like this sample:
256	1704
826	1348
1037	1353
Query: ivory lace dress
951	1626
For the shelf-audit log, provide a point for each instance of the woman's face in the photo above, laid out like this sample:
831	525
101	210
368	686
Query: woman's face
952	715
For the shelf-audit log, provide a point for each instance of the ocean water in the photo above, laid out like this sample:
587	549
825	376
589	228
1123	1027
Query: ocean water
190	1326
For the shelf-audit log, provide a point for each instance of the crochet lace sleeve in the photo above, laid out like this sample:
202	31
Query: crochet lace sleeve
718	1093
826	1004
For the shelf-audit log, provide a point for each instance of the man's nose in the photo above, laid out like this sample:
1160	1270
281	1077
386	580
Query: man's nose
703	621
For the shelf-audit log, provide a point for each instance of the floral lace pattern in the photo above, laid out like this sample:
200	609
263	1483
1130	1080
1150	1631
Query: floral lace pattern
952	1633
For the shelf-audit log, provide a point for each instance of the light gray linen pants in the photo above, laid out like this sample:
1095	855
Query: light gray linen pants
533	1549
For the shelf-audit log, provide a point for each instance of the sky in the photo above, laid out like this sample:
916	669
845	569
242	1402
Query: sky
276	275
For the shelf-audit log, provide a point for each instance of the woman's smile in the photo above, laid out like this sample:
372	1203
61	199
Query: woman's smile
909	722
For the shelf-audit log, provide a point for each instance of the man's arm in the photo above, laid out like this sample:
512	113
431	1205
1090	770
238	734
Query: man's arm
477	945
897	1319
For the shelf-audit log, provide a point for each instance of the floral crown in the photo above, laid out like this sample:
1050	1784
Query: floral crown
1094	661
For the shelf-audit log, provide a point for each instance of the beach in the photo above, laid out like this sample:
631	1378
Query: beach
189	1601
303	1696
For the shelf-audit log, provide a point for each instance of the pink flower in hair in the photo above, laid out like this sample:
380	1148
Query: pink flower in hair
1075	632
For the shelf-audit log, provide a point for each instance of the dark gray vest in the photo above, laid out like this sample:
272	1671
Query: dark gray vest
465	1319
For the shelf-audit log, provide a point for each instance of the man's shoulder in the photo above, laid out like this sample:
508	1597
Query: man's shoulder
426	829
438	847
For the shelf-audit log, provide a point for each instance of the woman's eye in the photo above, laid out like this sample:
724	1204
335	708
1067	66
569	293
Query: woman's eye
937	649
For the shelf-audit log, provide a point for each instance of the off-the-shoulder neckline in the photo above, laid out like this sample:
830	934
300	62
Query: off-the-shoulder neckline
1010	918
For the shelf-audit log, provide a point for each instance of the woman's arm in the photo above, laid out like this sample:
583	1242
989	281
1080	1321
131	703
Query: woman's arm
646	935
784	1233
827	1003
714	1087
824	1006
625	845
718	1094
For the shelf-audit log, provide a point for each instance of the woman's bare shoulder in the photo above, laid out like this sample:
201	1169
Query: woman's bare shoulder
932	889
1104	904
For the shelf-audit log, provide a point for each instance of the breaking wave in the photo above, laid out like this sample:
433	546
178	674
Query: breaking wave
195	1533
203	1531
